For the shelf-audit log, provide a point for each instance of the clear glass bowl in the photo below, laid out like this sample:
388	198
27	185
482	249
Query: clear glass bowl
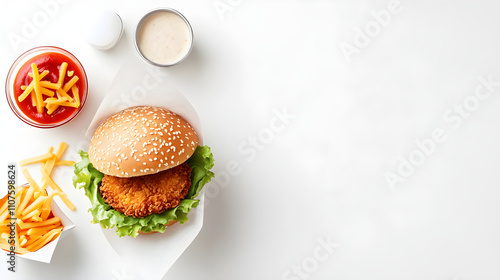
15	68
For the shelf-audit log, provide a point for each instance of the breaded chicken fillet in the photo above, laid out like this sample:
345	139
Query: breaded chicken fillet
142	158
141	196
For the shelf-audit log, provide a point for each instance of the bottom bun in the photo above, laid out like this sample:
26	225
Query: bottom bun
167	225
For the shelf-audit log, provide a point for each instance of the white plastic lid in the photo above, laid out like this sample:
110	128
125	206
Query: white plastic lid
104	31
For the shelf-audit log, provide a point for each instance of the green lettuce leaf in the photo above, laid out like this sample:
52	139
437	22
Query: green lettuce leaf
88	178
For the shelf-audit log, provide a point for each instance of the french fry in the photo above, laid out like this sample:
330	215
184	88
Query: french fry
61	149
33	216
4	204
37	88
76	95
38	194
42	75
4	236
30	87
67	104
55	101
45	214
21	239
46	206
47	222
35	204
41	230
51	108
23	242
66	201
49	180
47	162
64	93
39	158
30	179
33	99
21	190
62	73
44	240
4	215
49	85
65	162
58	190
47	92
70	83
49	165
33	239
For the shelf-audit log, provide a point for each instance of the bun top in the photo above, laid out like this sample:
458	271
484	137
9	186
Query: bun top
141	140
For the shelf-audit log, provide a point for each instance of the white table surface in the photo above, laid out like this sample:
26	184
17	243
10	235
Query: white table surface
308	106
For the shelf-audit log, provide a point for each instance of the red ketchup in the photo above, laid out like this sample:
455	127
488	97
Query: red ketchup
51	62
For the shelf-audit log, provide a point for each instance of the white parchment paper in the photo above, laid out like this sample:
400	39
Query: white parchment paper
149	256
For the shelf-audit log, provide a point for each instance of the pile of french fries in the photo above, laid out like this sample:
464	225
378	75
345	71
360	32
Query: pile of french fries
35	224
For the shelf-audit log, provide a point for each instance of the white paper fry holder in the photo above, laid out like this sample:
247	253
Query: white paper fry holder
149	256
45	253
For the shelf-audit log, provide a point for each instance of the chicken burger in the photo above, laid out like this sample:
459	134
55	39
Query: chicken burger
143	170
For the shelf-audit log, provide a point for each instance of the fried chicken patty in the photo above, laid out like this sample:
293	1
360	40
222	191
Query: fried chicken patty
145	195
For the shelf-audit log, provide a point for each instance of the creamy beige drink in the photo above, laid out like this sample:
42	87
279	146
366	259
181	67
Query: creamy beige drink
164	37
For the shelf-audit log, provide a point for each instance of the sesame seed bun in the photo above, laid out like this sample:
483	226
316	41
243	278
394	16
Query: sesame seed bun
141	140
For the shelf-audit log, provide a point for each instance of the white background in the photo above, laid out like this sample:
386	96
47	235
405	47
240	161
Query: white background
287	185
